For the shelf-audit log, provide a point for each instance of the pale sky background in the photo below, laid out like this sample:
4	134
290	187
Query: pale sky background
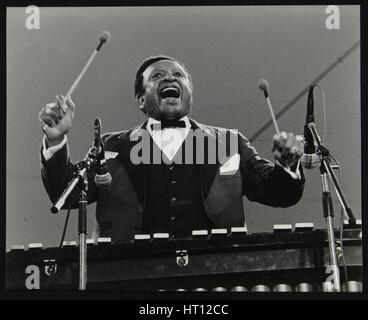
226	49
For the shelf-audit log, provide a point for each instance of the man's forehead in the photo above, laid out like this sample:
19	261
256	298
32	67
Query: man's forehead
162	64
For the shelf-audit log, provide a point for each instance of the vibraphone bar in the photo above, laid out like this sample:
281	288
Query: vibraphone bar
213	260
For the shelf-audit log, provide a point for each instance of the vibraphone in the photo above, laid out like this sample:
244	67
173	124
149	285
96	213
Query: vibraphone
215	260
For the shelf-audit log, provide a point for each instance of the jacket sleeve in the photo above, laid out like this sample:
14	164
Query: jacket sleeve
266	182
56	174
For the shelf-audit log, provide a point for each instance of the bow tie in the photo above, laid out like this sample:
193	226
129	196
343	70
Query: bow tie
168	124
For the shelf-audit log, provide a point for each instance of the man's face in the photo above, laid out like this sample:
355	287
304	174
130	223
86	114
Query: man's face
168	91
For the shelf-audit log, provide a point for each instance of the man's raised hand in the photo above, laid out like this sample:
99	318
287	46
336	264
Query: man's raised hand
56	119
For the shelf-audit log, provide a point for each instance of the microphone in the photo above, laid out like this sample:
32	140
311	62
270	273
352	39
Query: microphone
102	177
309	159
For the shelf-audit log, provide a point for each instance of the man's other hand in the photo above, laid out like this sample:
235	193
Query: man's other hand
286	149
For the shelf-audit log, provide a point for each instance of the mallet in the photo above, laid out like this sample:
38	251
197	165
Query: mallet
263	85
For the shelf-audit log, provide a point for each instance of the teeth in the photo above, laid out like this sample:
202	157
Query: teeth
170	88
170	92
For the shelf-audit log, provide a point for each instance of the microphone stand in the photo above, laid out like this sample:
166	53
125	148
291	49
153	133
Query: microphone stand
326	171
80	179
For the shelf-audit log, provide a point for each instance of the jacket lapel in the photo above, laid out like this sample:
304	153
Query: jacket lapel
207	171
136	172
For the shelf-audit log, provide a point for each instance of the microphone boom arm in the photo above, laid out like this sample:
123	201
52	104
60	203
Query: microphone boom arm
80	171
325	159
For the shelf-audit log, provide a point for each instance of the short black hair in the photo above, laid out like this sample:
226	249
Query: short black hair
138	84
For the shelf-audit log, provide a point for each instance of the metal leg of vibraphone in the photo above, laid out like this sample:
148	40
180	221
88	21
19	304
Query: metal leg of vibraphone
304	287
282	287
261	288
219	289
294	280
327	287
352	286
239	289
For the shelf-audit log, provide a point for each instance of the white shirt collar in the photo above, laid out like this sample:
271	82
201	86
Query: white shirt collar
152	121
169	140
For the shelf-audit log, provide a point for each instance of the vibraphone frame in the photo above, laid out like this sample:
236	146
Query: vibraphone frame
211	262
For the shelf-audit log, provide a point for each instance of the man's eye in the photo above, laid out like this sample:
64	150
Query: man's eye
157	75
178	74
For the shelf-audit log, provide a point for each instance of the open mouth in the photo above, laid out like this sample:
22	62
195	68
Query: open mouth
170	92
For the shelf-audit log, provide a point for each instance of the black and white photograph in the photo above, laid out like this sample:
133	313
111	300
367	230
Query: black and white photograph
184	149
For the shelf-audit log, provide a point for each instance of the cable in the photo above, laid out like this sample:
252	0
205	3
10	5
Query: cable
340	177
341	222
305	90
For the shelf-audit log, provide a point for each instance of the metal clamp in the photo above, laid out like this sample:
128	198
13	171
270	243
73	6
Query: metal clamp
50	266
182	258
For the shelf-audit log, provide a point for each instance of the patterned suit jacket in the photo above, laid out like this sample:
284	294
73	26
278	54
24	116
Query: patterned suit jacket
121	206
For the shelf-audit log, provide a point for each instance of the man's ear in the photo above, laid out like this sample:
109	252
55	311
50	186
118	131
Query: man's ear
140	100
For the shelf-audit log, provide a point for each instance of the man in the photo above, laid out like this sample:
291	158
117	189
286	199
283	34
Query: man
171	196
